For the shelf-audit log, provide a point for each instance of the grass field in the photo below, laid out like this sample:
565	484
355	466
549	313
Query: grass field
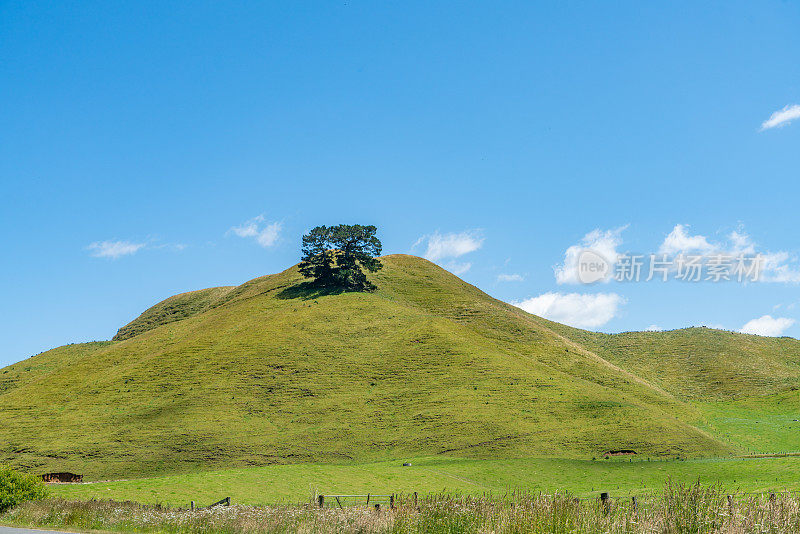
296	483
756	425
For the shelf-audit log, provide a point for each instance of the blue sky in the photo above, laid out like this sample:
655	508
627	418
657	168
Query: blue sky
148	149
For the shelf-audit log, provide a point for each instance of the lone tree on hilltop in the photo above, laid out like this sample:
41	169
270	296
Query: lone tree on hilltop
335	255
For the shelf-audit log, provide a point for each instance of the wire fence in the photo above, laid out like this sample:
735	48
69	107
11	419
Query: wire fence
369	499
638	502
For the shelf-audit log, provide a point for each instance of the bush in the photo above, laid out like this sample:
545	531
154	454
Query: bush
16	487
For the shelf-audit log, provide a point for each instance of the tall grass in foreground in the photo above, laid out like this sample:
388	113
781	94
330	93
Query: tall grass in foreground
679	510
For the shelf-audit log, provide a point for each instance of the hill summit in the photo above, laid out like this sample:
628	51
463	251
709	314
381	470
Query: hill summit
274	372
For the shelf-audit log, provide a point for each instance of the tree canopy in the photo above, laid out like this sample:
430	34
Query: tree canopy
336	256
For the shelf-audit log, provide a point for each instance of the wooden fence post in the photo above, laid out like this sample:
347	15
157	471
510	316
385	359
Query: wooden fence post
635	507
391	501
191	505
730	506
321	501
606	500
415	499
226	501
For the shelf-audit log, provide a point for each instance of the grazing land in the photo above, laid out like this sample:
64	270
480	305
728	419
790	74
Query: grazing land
293	484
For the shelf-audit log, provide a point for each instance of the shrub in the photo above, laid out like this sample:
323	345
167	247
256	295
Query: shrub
16	487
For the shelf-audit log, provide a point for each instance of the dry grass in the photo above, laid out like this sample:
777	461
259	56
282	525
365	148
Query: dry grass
679	510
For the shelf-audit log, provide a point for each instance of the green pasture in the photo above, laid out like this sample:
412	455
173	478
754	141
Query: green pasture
297	483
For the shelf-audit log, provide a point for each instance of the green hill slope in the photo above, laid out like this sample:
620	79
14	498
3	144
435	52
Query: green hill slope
174	309
746	387
270	372
700	363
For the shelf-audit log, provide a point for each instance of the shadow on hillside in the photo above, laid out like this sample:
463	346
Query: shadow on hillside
307	291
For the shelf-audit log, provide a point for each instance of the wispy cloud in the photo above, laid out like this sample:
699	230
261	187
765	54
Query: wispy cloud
767	325
265	233
440	247
510	277
452	245
602	242
114	249
175	247
457	268
782	117
574	309
653	328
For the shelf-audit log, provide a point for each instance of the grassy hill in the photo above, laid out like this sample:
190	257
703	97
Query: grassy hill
701	363
272	372
174	309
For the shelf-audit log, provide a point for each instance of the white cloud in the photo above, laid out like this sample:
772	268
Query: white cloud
679	241
574	309
782	117
767	326
602	242
457	268
449	246
653	328
778	267
114	249
452	245
510	277
742	244
175	247
265	235
774	267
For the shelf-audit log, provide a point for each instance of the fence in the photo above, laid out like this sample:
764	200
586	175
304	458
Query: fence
375	500
634	503
222	502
